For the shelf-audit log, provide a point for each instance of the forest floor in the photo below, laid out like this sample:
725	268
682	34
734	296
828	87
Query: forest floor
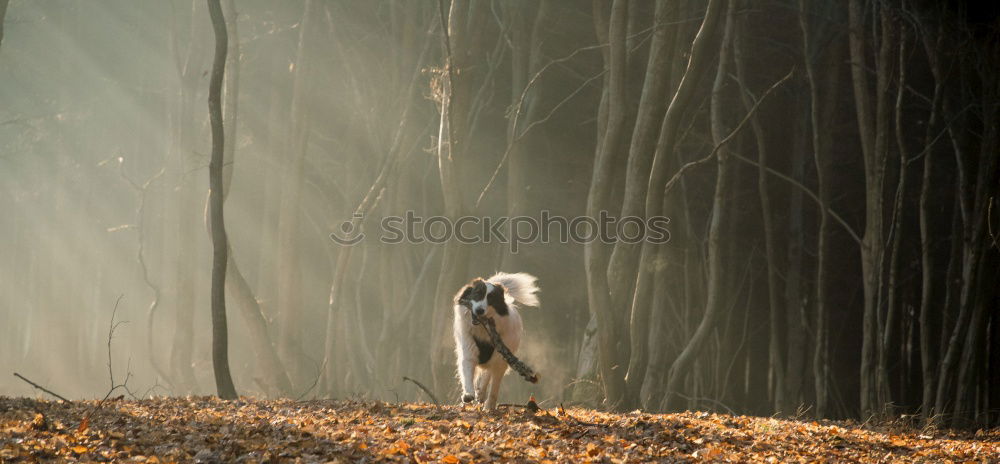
204	429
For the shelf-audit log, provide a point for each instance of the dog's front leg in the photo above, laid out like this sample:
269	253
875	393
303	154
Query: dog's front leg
466	373
466	370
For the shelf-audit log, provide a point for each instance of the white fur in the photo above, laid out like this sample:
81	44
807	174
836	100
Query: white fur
482	381
520	287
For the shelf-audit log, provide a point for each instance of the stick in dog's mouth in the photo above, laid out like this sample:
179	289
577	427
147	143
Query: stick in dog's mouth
520	367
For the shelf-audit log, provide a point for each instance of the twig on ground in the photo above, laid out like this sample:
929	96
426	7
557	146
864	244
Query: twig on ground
563	413
422	387
531	406
520	367
46	390
319	373
149	391
111	373
85	422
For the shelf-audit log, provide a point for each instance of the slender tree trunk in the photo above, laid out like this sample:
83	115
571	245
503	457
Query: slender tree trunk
599	293
795	300
723	184
526	60
892	299
973	200
657	344
622	268
664	154
3	14
928	348
865	122
700	60
289	262
275	379
185	121
595	255
776	343
821	112
459	105
928	345
272	144
220	340
974	294
874	146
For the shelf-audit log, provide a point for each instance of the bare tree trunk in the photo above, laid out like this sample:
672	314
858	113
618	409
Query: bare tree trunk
3	14
599	293
595	255
822	96
461	85
974	292
272	146
723	183
928	346
895	228
454	256
220	340
189	72
622	269
973	200
865	122
289	260
795	300
776	343
875	149
265	355
928	358
669	135
526	54
657	345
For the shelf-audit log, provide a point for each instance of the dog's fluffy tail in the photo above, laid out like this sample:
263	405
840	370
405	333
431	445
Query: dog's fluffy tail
520	286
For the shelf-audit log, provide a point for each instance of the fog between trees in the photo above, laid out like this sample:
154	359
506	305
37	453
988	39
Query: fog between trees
828	169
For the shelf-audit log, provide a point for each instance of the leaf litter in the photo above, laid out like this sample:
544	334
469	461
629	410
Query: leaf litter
209	430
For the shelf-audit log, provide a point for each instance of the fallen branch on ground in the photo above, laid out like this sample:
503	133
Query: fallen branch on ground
521	368
427	391
46	390
319	373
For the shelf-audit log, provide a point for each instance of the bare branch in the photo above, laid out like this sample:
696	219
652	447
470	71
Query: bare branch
854	235
526	130
111	373
111	333
519	366
724	141
46	390
427	391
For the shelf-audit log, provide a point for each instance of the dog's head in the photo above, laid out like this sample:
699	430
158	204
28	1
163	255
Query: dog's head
483	298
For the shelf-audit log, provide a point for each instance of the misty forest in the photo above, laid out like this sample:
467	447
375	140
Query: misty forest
178	176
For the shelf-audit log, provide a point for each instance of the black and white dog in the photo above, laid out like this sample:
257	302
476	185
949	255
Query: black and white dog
496	298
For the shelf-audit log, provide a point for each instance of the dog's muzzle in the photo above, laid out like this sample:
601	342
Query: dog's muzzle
479	311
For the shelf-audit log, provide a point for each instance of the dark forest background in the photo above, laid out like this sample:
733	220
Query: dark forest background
829	170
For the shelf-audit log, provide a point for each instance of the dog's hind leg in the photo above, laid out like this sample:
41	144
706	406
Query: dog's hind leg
482	381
